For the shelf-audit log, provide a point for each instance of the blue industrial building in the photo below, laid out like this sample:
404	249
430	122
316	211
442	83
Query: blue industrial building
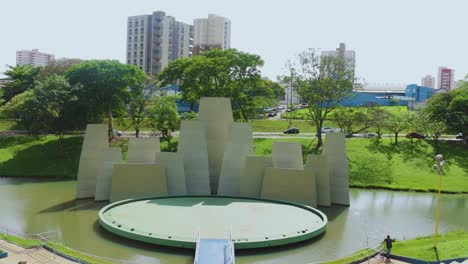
413	94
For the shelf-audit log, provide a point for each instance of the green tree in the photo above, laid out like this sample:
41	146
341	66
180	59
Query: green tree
224	73
105	85
322	82
20	78
163	116
57	98
398	122
23	108
138	102
59	67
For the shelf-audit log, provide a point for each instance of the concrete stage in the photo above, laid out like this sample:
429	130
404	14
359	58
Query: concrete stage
178	221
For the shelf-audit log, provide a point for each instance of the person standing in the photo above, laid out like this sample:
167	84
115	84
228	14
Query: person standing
388	245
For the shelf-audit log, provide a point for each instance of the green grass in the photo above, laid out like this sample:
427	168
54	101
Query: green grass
31	243
9	125
406	166
22	242
304	113
45	156
450	245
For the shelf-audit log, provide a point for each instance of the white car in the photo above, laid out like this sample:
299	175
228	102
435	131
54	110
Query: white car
330	129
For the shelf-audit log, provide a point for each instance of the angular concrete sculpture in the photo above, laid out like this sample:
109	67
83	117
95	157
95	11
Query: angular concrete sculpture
318	165
290	185
110	157
216	116
335	152
193	151
239	145
251	179
142	150
137	180
174	169
94	143
287	155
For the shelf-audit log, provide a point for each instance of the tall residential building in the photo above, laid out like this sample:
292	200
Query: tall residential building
33	57
212	32
428	81
348	57
446	78
153	41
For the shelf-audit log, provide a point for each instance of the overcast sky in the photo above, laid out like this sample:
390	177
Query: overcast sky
396	41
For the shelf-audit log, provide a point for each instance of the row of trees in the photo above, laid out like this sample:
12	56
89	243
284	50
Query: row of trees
69	94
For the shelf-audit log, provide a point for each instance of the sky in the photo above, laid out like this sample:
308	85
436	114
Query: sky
396	41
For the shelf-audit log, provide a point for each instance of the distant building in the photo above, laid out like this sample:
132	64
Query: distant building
418	94
213	32
153	41
446	78
33	57
348	56
428	81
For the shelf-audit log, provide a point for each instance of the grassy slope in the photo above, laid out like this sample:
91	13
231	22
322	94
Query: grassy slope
449	246
39	157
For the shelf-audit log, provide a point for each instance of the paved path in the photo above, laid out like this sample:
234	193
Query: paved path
31	256
381	260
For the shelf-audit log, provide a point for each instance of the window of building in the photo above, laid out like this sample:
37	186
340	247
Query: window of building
128	61
142	38
141	45
134	53
136	31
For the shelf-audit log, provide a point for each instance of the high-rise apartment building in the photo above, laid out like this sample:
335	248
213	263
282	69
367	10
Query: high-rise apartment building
446	78
348	56
153	41
428	81
213	32
33	57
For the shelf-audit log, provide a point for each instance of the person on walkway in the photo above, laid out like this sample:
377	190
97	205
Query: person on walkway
388	245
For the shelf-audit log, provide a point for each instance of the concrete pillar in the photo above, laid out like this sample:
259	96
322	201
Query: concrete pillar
335	152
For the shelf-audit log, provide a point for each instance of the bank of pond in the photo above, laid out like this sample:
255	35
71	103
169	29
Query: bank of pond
373	163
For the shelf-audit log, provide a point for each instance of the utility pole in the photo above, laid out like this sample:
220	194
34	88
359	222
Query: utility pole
439	163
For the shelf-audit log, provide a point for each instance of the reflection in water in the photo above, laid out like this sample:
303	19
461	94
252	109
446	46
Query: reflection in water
36	206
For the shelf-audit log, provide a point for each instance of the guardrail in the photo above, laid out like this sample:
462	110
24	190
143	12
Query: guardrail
45	240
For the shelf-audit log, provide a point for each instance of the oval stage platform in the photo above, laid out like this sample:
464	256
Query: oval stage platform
178	221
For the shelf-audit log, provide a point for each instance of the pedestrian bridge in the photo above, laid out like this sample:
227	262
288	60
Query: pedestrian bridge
214	251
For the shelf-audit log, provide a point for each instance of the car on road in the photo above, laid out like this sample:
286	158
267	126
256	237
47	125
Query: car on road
459	136
292	130
330	129
415	135
369	135
272	114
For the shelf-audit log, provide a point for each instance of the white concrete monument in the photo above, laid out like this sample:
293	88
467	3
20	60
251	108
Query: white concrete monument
319	166
174	168
239	145
193	151
335	152
251	179
94	143
142	150
215	113
287	155
110	157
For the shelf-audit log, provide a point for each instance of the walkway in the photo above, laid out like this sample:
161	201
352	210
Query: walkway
36	255
214	251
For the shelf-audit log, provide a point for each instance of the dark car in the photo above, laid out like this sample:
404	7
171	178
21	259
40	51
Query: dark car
459	136
415	135
292	130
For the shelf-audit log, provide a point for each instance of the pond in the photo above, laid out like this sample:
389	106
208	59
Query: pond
34	206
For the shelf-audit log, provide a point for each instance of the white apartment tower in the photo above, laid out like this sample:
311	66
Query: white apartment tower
212	32
33	57
348	56
428	81
153	41
446	78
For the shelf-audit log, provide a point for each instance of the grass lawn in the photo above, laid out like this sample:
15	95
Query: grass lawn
45	156
264	125
304	113
22	242
450	245
406	166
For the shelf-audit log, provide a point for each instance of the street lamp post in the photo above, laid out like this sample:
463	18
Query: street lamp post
439	164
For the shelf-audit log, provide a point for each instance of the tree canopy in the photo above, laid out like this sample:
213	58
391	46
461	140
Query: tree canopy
105	85
225	73
322	82
20	78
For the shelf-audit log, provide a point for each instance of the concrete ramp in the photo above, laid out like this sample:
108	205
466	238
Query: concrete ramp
214	251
